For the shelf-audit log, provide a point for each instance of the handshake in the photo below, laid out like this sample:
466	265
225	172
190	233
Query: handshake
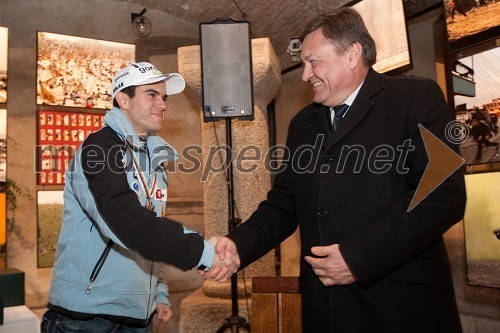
226	260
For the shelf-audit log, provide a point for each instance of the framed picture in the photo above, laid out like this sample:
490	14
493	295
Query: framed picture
76	71
3	145
470	22
4	43
476	82
59	135
482	229
390	34
49	210
415	8
3	230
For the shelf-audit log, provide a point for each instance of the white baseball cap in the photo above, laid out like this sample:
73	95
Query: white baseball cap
140	73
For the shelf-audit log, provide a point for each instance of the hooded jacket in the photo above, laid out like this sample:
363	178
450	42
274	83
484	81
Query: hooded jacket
109	241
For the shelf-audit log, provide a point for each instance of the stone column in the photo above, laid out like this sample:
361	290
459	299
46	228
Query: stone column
206	309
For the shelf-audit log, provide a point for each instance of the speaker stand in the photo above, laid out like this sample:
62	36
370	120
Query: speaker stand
235	322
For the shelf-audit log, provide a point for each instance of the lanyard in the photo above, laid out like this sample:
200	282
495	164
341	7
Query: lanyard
149	204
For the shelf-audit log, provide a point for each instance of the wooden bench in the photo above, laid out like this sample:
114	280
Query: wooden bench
276	304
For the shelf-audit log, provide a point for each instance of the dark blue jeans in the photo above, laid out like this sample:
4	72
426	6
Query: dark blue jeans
53	322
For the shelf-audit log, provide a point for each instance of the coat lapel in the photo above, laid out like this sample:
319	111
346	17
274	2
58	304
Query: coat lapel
321	124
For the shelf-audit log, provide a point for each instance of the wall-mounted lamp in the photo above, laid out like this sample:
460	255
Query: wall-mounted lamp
141	24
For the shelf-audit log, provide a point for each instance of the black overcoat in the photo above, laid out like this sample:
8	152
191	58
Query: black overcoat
354	187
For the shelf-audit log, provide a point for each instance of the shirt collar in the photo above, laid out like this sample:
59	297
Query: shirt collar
350	99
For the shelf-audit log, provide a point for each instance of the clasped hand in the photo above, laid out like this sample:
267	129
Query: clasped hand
226	260
330	267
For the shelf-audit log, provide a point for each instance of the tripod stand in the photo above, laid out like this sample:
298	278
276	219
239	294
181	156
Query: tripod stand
234	322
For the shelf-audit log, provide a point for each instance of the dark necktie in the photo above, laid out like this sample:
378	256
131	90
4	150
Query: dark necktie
339	111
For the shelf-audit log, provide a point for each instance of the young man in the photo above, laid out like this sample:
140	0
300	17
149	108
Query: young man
370	265
114	230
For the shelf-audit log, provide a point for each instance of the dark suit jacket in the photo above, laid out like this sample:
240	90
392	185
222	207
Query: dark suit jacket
353	187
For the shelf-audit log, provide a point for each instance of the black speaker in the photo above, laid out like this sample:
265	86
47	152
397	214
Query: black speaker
226	62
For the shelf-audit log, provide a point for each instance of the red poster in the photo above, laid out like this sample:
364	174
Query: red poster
59	135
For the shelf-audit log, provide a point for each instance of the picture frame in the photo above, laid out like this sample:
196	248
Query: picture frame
4	46
470	22
76	71
476	79
390	35
49	218
415	8
59	135
3	230
3	145
482	229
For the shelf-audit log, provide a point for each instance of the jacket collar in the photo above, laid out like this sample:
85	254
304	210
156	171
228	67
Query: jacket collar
159	149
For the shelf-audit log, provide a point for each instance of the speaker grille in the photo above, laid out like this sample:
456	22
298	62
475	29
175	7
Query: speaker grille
226	69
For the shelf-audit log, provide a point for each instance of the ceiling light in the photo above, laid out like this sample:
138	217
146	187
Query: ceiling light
141	24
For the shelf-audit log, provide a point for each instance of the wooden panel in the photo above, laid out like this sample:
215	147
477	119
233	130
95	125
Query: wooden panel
291	313
264	313
275	284
276	304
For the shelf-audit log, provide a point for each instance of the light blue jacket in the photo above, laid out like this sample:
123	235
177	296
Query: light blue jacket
99	206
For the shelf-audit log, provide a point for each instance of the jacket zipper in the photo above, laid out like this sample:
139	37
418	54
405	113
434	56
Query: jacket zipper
98	266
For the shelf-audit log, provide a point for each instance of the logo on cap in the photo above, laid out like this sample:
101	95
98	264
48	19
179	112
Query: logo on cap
145	69
118	87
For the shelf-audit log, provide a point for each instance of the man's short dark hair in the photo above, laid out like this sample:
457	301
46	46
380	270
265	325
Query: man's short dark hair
129	91
344	27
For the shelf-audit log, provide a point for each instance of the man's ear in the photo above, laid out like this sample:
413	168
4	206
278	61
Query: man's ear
355	52
122	100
